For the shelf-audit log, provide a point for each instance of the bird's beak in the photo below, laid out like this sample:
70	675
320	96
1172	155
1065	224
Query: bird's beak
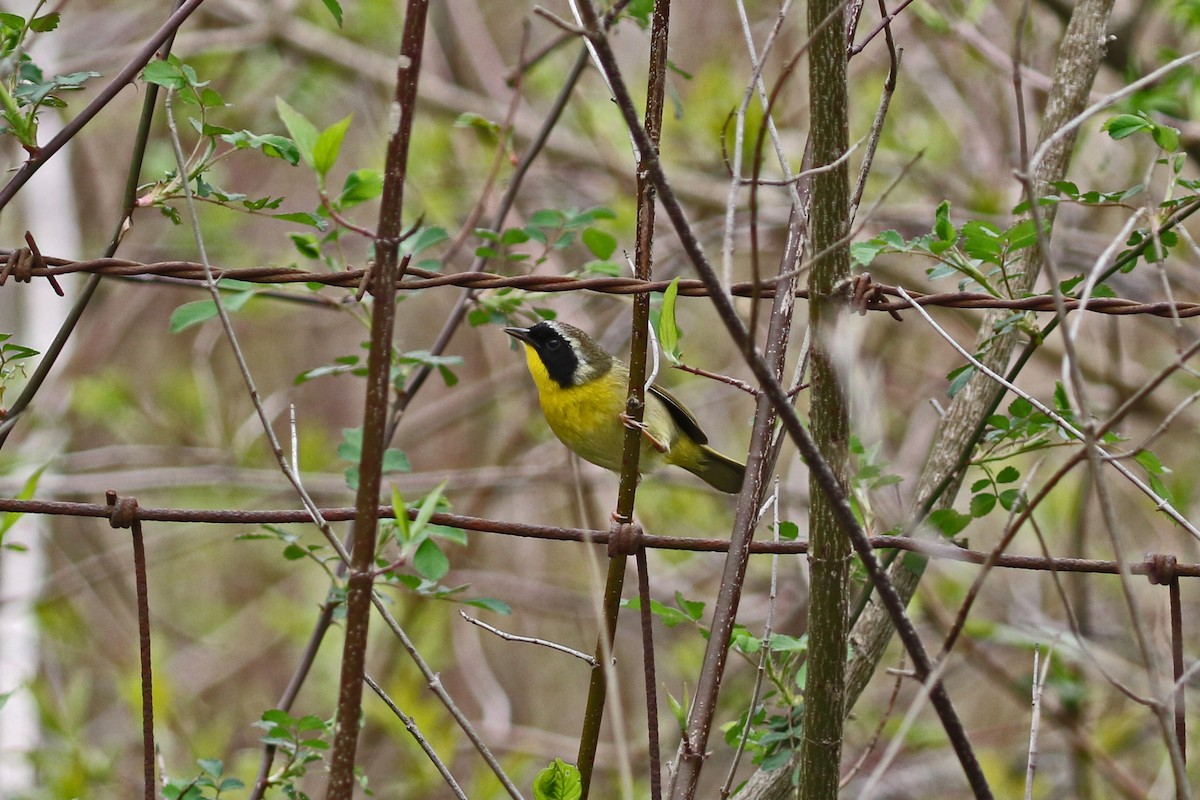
521	334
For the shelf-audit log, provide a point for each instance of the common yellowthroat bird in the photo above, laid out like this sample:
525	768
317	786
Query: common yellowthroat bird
582	390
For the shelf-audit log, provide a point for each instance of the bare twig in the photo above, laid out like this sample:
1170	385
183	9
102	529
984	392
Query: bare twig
901	673
1039	682
435	685
871	787
512	637
411	726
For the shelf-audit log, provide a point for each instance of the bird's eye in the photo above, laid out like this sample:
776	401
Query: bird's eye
553	344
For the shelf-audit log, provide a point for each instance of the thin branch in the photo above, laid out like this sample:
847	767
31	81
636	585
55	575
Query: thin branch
435	685
512	637
933	679
411	726
1039	682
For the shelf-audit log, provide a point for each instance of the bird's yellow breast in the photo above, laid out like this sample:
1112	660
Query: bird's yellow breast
587	418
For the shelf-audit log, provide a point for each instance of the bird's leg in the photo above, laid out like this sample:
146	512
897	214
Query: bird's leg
630	422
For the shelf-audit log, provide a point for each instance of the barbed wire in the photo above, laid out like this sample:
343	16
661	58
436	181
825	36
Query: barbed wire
1160	568
879	297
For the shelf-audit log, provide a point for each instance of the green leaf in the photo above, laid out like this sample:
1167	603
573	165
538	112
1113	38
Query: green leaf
943	228
490	604
1061	401
744	642
430	562
470	119
693	608
558	781
1008	475
958	379
395	461
1011	498
1150	462
1069	188
328	145
548	218
982	504
679	709
1020	407
294	552
335	9
190	314
600	243
198	311
303	132
401	511
788	531
863	253
1166	137
610	268
428	506
512	236
212	766
163	73
304	218
1123	125
276	716
307	244
360	186
1160	488
781	643
28	489
584	218
668	331
640	11
44	23
948	522
1021	235
982	240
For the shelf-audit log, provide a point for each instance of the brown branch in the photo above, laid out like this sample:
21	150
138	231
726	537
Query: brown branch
389	272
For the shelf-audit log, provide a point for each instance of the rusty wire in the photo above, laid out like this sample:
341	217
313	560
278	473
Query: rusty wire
1159	568
881	297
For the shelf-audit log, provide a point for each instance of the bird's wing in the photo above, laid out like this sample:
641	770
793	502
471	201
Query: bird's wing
683	418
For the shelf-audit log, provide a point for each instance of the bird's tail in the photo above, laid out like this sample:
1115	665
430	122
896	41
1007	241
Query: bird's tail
719	471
